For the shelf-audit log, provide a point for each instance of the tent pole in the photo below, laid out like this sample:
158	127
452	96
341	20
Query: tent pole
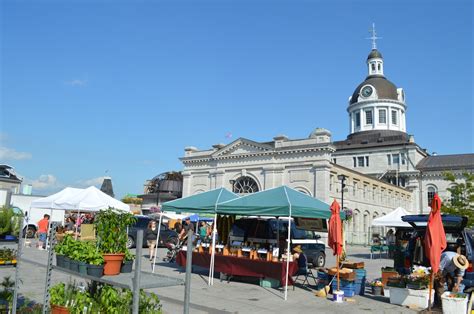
429	290
77	222
288	254
156	244
211	269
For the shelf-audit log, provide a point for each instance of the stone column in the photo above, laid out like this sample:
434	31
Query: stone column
321	180
187	183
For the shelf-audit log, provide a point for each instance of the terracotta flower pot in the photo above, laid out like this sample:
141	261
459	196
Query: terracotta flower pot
56	309
113	263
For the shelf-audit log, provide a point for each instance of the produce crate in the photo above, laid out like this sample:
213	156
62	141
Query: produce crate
7	262
346	274
349	287
353	265
388	274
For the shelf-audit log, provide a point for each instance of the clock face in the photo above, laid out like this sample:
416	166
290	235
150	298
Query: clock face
366	91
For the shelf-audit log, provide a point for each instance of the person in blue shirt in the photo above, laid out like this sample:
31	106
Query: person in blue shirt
451	272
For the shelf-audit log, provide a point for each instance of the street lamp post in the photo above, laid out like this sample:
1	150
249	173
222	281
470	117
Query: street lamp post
342	178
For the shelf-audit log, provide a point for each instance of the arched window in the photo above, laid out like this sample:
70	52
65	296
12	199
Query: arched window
431	193
245	185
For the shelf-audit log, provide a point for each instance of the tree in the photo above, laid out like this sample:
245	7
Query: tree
462	197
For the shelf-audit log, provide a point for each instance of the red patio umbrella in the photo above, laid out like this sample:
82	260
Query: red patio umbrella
435	239
335	234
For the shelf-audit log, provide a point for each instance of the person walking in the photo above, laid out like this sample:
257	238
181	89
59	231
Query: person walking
43	227
151	234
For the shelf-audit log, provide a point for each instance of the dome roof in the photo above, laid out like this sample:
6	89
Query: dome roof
374	54
385	89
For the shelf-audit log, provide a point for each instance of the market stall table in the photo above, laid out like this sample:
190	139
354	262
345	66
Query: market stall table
238	266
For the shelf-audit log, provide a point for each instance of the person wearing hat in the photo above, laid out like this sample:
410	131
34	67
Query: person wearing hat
301	258
451	272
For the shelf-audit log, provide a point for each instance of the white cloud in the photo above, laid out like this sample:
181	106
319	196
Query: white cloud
45	182
76	82
89	182
11	154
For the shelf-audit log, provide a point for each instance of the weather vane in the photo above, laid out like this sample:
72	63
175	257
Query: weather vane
373	37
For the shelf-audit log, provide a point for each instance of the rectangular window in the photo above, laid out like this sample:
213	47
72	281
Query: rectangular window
394	117
334	161
360	161
404	159
368	117
373	66
357	119
396	159
366	161
382	116
355	161
389	160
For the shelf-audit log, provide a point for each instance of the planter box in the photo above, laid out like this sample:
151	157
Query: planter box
126	267
409	297
74	266
453	305
82	268
95	270
8	262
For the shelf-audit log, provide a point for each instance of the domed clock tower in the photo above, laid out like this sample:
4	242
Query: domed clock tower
376	104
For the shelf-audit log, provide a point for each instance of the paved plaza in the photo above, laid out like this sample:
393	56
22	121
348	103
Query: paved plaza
223	297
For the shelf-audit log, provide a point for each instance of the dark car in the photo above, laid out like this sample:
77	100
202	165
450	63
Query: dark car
457	235
166	235
264	231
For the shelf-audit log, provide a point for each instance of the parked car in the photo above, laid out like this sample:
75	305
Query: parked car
166	235
457	235
264	231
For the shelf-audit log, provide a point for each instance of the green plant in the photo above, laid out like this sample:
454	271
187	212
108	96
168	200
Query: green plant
461	202
149	303
7	254
6	294
114	301
92	255
9	221
129	256
111	226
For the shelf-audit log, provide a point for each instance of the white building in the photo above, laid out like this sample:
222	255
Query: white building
383	165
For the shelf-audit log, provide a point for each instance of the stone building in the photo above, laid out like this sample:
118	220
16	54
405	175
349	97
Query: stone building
384	167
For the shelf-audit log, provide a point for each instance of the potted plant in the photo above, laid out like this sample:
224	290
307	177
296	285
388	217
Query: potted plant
9	223
95	262
7	256
111	226
127	262
377	286
59	249
417	282
60	295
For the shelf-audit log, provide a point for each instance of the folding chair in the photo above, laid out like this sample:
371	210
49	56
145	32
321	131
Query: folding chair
306	272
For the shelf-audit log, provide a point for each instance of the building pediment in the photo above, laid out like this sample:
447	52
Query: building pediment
241	147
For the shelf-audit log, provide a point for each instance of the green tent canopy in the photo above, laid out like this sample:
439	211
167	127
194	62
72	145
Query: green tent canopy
277	202
202	203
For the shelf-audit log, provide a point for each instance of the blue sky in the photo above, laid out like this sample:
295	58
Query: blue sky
123	86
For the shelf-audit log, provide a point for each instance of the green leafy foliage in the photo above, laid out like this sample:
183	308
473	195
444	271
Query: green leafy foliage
6	294
111	226
9	221
83	251
7	254
102	298
462	197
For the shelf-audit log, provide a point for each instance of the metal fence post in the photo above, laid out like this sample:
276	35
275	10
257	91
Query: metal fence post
189	265
18	260
137	273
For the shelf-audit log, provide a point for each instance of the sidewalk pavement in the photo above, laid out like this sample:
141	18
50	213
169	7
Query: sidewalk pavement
223	297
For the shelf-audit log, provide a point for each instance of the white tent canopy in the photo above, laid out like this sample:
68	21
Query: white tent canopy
392	219
85	200
91	200
51	202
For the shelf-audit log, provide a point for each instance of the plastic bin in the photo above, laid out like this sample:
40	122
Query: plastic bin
269	283
410	297
454	305
349	287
